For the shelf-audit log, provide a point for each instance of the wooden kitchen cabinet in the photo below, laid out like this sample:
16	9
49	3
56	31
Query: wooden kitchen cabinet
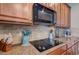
62	15
16	13
67	49
58	15
7	9
58	51
27	10
22	13
56	6
66	15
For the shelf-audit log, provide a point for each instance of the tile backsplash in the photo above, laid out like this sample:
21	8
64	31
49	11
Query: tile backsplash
38	32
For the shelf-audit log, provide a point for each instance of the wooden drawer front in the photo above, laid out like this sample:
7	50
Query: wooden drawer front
58	51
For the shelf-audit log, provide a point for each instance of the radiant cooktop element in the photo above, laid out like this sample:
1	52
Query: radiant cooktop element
42	45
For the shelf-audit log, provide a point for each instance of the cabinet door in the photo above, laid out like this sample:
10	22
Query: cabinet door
11	9
56	6
16	12
18	8
27	10
67	16
62	15
58	51
7	9
58	16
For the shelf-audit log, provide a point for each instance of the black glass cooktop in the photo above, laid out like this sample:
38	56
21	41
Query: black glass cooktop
42	45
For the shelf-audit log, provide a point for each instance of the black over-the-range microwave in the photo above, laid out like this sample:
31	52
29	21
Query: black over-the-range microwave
43	15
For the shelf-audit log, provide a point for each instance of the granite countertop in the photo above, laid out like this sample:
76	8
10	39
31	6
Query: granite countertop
21	50
31	50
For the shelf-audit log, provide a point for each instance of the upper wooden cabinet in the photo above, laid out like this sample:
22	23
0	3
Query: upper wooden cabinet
58	10
16	13
63	15
67	16
22	13
28	10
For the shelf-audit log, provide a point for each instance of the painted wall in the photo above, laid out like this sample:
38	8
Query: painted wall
75	19
75	15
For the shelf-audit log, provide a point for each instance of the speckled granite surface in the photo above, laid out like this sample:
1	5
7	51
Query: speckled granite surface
20	50
31	50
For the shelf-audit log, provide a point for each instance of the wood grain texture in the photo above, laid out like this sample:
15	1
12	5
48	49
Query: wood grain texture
58	51
16	12
24	11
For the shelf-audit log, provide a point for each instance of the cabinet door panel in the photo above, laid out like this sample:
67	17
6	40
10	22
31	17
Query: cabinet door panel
7	9
56	6
66	16
58	51
12	9
69	17
58	16
62	15
26	10
19	11
18	8
29	11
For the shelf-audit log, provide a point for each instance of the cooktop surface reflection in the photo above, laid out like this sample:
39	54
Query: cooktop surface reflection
43	44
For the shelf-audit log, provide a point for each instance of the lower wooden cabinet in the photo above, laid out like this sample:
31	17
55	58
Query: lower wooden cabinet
58	51
68	49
